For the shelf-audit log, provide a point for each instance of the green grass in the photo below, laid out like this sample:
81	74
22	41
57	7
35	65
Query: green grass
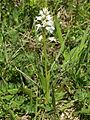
42	79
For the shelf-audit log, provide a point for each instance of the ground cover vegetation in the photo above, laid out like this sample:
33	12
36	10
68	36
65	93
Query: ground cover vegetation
45	60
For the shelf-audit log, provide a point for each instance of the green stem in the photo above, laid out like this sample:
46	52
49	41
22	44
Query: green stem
45	65
45	53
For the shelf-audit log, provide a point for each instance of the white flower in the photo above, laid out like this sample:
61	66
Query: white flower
38	18
50	23
41	12
48	17
43	17
40	38
38	26
50	29
45	11
44	23
52	39
45	20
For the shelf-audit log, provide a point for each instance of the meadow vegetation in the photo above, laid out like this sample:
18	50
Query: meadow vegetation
45	60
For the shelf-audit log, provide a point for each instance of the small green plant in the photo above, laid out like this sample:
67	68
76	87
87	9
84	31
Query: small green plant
44	24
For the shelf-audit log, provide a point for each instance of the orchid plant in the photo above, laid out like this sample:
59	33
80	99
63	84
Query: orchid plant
44	25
